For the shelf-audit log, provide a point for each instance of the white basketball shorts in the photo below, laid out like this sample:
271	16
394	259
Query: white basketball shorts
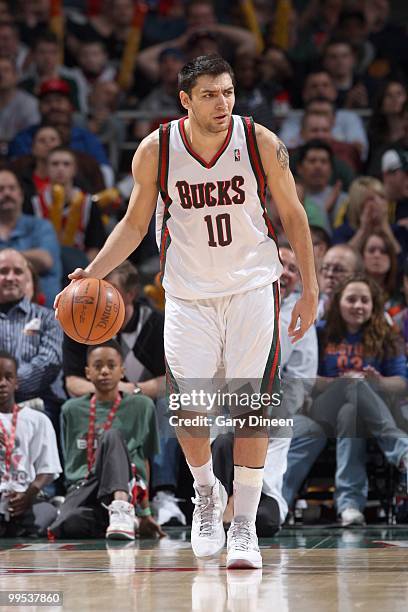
234	338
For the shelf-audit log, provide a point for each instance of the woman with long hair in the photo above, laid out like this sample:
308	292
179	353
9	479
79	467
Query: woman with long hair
366	212
361	373
381	265
385	126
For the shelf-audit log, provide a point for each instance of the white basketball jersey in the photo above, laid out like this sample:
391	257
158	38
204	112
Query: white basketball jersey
212	229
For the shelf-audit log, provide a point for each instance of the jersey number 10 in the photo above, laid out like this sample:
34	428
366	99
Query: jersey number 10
223	227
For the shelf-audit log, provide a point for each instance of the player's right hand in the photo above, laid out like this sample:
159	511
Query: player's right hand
77	274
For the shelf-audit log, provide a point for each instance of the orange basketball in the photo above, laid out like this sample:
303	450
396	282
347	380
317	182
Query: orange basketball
91	311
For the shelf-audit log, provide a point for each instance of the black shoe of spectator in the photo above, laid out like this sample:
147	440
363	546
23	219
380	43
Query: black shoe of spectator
268	517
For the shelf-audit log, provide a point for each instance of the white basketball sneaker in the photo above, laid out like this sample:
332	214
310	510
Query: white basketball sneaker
352	516
242	546
207	529
121	521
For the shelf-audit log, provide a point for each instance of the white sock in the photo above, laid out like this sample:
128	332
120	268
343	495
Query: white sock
203	474
247	491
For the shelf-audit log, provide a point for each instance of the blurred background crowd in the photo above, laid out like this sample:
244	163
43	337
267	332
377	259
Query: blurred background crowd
83	81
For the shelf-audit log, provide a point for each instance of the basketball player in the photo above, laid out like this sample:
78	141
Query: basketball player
206	176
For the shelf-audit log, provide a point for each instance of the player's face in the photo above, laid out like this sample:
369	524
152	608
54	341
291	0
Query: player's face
211	102
8	381
356	305
13	276
105	368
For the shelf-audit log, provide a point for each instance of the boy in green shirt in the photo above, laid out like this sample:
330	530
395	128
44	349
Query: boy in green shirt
103	434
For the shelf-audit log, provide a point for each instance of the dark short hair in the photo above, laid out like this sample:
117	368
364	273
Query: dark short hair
319	99
114	344
316	143
10	357
16	176
351	14
47	36
337	40
63	149
213	65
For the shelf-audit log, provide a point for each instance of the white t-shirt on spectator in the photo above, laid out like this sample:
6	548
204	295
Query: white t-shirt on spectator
35	449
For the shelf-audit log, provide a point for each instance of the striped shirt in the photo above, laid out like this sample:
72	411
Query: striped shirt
32	335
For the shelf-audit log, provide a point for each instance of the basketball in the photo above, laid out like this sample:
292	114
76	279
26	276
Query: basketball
91	311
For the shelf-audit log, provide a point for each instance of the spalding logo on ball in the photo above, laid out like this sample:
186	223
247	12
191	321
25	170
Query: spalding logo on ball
91	311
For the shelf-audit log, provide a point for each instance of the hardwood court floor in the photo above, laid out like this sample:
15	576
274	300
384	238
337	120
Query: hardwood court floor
305	570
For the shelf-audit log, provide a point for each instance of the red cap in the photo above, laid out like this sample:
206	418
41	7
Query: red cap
54	86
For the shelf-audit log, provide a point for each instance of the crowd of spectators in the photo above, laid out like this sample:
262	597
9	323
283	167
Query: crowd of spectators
330	78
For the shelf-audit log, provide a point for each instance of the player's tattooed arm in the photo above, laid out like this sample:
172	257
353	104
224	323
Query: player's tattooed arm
282	155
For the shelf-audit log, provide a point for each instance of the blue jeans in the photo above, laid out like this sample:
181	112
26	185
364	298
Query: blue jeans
343	407
307	443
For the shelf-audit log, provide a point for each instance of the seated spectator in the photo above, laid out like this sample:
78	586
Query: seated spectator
386	122
76	218
381	265
339	263
388	38
33	172
163	99
56	109
366	212
46	66
340	62
111	25
314	168
28	460
299	368
104	433
12	47
94	67
31	334
35	238
348	126
309	439
200	18
18	109
352	24
316	126
362	361
101	120
32	169
251	97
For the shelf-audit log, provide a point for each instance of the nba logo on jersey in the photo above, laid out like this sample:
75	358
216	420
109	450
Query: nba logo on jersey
237	155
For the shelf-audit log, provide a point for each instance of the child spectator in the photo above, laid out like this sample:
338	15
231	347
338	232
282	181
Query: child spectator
28	460
104	432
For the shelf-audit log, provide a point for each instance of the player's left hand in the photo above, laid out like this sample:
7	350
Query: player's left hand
305	309
148	528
